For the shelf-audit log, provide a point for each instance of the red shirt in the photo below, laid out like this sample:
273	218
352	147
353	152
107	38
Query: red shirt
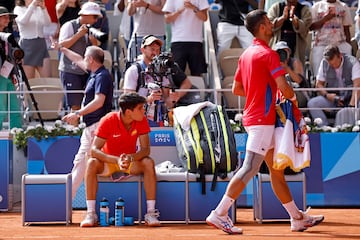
50	6
258	67
118	139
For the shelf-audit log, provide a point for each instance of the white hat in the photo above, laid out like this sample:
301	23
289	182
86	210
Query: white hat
90	8
281	45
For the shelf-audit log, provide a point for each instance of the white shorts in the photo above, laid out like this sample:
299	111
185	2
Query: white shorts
260	138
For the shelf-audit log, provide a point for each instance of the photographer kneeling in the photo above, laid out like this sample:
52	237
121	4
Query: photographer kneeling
156	77
7	103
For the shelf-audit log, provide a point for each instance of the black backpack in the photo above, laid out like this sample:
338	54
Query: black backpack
208	147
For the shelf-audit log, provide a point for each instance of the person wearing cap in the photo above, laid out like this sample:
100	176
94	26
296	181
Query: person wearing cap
291	21
337	70
9	5
150	47
7	102
294	70
32	17
74	36
148	19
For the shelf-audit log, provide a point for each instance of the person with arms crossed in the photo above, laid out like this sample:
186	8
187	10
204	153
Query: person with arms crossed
97	103
114	149
258	77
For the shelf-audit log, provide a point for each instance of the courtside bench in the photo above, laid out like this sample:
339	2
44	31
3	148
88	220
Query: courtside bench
178	195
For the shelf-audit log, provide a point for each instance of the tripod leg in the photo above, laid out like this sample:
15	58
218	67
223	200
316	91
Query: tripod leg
33	100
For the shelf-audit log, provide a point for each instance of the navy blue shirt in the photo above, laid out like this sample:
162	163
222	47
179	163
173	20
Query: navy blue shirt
98	82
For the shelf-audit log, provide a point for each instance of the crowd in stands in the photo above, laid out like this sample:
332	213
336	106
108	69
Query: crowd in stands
329	22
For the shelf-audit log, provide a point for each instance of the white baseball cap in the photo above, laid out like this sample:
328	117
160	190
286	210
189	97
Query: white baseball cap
90	8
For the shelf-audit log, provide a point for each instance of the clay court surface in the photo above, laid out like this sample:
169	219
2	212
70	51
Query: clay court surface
338	224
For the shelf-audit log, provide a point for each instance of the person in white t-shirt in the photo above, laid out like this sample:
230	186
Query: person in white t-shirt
186	18
331	24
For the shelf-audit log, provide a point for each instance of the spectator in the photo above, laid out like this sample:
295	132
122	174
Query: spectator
96	104
150	47
337	70
125	28
67	10
294	70
291	22
7	102
231	24
31	18
148	19
331	23
266	4
9	5
51	30
187	18
74	36
114	150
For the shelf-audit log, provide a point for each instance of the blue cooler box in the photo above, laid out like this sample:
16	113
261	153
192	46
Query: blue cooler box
46	198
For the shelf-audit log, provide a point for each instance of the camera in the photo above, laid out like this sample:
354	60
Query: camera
15	51
282	54
99	35
162	64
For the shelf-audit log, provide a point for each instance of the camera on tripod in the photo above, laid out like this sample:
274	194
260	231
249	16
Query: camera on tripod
162	64
15	52
99	35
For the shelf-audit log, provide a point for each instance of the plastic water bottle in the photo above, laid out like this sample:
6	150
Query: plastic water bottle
104	212
119	212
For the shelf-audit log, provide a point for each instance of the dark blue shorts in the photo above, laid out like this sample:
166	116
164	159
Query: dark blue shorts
72	82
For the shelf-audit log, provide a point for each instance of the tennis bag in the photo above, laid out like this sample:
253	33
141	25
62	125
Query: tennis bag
208	147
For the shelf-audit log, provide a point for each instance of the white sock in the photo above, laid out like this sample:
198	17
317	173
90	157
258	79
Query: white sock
90	204
292	210
150	205
224	205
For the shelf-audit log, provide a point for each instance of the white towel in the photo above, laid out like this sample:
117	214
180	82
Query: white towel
292	147
184	114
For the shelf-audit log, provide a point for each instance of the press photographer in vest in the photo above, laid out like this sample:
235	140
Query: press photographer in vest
144	75
337	70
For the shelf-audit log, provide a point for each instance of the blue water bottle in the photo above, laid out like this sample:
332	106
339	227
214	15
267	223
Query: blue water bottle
104	212
119	212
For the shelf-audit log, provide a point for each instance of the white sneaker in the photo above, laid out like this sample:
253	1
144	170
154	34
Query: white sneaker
306	221
151	218
222	222
91	220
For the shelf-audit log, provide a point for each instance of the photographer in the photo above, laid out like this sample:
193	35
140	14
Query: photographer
74	36
337	70
294	70
139	75
5	83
